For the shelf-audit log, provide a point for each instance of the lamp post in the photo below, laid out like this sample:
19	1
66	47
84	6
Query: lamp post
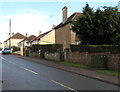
9	33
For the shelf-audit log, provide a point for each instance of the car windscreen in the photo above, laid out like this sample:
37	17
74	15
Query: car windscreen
6	49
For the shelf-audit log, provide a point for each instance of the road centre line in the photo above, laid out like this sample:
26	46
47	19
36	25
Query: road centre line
38	74
64	85
30	70
22	67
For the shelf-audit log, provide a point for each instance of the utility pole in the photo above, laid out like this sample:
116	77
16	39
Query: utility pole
51	21
9	33
119	6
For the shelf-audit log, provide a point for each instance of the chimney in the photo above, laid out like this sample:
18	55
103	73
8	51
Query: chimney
12	33
64	12
26	34
53	26
40	32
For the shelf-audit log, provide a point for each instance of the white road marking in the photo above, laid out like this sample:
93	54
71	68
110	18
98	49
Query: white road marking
8	62
63	85
30	71
2	58
38	74
22	67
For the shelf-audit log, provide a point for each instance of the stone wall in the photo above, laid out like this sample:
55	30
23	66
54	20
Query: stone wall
34	54
49	56
85	58
52	56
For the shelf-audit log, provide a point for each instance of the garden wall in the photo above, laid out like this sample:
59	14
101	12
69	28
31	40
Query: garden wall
52	56
85	58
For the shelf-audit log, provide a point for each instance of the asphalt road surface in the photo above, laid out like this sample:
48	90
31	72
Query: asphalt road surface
20	74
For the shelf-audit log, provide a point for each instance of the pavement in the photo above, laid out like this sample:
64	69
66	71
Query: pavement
84	72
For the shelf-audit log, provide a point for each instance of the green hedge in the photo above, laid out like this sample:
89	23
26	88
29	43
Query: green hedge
0	49
96	48
15	48
47	47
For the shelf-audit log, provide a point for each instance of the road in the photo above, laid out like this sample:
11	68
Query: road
21	74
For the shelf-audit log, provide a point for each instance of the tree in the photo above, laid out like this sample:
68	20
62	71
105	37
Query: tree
99	27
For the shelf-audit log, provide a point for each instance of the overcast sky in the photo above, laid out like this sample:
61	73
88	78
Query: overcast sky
32	17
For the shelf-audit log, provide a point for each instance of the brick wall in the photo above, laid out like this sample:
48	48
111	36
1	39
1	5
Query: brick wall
85	58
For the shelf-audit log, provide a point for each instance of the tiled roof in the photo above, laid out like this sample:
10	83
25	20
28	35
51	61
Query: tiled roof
17	36
69	19
28	38
40	36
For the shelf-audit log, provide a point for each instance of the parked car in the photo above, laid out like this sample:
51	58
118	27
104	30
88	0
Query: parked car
6	51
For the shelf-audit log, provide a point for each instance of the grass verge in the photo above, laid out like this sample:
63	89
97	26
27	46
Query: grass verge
109	72
75	65
106	72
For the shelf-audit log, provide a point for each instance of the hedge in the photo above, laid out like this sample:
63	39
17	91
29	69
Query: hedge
96	48
15	48
47	48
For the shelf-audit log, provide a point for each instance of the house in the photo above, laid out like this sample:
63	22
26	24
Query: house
63	33
13	40
48	38
1	45
25	43
45	38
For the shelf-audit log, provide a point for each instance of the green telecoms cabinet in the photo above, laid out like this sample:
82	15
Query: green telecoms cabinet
99	61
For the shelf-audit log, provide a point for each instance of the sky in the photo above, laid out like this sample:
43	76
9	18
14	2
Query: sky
32	17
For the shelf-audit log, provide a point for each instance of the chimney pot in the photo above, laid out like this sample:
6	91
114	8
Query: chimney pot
12	33
40	32
26	34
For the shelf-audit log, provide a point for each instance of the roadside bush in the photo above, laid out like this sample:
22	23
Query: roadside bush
96	48
47	48
15	48
0	49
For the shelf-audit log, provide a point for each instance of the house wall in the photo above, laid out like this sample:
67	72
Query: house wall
73	37
6	44
1	45
15	41
22	47
65	36
34	42
21	50
48	39
25	43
